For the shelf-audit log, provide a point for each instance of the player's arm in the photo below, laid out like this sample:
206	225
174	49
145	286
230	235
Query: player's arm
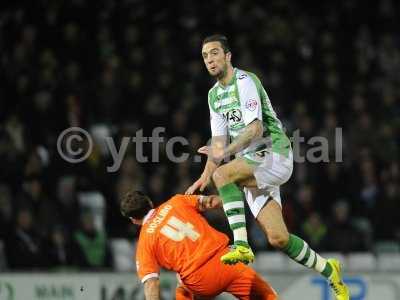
200	203
147	266
217	143
251	132
219	131
152	289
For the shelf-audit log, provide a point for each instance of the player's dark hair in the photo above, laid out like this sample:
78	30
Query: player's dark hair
218	38
135	205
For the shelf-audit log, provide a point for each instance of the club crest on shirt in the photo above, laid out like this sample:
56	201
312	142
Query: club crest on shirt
251	104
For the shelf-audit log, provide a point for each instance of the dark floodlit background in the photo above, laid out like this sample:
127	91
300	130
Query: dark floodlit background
116	67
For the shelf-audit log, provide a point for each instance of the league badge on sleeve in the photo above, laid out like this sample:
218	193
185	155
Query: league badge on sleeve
251	104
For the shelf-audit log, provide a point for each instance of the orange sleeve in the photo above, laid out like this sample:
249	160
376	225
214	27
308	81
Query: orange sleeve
189	200
146	262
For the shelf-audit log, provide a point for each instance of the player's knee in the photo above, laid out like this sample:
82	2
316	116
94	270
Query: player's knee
279	239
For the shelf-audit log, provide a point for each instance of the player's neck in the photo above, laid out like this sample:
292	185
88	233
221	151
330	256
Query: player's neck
148	216
227	76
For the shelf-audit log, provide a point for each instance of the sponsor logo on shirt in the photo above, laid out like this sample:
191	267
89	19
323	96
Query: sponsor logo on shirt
251	104
233	116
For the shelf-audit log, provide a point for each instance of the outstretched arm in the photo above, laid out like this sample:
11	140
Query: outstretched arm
217	142
152	289
251	132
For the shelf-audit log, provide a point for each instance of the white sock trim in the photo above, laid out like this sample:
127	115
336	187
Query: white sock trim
302	253
321	264
240	234
310	260
234	204
236	219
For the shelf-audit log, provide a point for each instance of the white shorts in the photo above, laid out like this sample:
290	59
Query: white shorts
274	171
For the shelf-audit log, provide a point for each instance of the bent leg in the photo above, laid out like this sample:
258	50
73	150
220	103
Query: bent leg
225	179
271	221
251	286
248	182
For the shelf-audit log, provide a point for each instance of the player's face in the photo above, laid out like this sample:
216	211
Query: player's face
215	59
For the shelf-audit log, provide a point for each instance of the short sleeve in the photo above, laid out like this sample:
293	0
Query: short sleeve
219	125
188	200
146	262
250	101
192	200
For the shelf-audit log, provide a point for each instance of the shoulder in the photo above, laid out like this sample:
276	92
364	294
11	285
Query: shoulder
180	199
171	204
174	199
241	74
212	91
245	79
182	202
212	96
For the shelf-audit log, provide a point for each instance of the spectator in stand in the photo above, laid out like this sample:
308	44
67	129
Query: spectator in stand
343	234
24	247
90	247
58	249
315	232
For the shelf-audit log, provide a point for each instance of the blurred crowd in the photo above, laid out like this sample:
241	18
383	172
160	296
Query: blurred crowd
117	67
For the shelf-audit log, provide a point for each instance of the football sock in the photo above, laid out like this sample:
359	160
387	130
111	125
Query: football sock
232	199
299	251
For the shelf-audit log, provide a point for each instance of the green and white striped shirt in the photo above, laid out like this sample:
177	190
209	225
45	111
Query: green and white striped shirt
234	106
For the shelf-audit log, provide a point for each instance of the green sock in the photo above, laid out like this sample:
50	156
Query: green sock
232	197
299	251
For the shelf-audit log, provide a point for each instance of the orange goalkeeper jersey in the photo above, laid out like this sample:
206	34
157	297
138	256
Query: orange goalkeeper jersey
176	236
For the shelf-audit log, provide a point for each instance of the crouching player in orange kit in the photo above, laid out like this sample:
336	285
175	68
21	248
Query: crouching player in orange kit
175	236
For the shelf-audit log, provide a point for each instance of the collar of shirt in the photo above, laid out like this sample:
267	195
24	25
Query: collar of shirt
148	215
230	81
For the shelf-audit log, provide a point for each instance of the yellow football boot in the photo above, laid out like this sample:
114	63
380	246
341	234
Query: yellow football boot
238	254
340	290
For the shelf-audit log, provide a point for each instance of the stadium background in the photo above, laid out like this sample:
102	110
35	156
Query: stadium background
116	67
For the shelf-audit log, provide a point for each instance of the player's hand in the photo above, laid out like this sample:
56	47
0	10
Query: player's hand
200	184
193	188
204	150
217	154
